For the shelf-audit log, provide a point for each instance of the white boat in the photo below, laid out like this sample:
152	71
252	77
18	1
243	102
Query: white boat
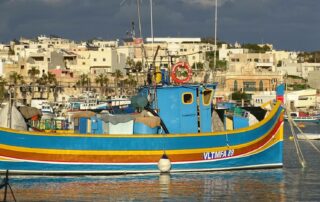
303	117
308	136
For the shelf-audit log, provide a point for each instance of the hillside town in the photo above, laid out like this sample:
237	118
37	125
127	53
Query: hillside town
55	68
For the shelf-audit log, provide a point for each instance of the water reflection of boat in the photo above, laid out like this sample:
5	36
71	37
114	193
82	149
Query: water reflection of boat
206	186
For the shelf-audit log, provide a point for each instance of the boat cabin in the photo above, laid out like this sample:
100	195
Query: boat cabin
183	108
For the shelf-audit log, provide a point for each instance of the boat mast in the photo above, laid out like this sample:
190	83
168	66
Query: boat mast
139	18
151	25
215	40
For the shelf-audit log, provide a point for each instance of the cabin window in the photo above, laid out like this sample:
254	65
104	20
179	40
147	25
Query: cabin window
187	98
207	96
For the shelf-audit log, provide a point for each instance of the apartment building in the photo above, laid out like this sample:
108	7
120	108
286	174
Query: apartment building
252	73
299	69
172	50
303	99
225	52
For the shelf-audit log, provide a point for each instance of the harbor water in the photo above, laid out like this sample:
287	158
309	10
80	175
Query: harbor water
290	183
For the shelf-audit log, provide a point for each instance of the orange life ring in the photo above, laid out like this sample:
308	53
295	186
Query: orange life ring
175	68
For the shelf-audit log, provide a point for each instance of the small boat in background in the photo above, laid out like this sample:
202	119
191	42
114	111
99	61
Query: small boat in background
303	117
308	136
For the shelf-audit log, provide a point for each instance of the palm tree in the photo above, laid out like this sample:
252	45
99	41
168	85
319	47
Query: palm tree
15	79
52	83
33	72
42	81
84	81
132	83
137	68
103	81
3	83
117	75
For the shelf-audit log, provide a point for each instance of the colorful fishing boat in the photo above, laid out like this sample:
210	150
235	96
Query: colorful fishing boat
179	126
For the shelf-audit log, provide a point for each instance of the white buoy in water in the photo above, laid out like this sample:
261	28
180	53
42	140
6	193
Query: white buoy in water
164	164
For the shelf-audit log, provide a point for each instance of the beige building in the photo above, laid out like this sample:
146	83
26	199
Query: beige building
172	50
251	73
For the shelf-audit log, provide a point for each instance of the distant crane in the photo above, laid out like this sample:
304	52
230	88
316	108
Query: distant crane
139	14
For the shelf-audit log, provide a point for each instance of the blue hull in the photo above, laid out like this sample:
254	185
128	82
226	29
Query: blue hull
268	158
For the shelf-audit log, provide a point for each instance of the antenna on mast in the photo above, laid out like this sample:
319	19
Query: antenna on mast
139	14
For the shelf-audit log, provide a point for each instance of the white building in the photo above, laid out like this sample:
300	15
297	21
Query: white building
302	99
299	69
225	52
191	50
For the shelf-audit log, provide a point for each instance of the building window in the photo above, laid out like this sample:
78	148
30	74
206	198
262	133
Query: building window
187	98
235	86
261	85
22	67
83	63
249	86
95	59
103	59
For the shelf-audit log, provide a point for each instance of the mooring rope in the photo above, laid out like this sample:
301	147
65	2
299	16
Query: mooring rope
298	149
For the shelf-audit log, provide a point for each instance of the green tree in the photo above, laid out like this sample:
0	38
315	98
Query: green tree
84	81
52	84
238	95
33	72
3	90
255	48
131	84
103	82
198	66
117	76
41	84
16	79
137	68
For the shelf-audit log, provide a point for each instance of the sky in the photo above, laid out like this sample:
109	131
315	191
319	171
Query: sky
292	25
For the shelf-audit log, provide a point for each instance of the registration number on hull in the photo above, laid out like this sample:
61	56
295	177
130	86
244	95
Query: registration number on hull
218	154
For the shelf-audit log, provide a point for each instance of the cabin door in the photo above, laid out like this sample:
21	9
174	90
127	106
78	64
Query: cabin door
205	101
189	118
